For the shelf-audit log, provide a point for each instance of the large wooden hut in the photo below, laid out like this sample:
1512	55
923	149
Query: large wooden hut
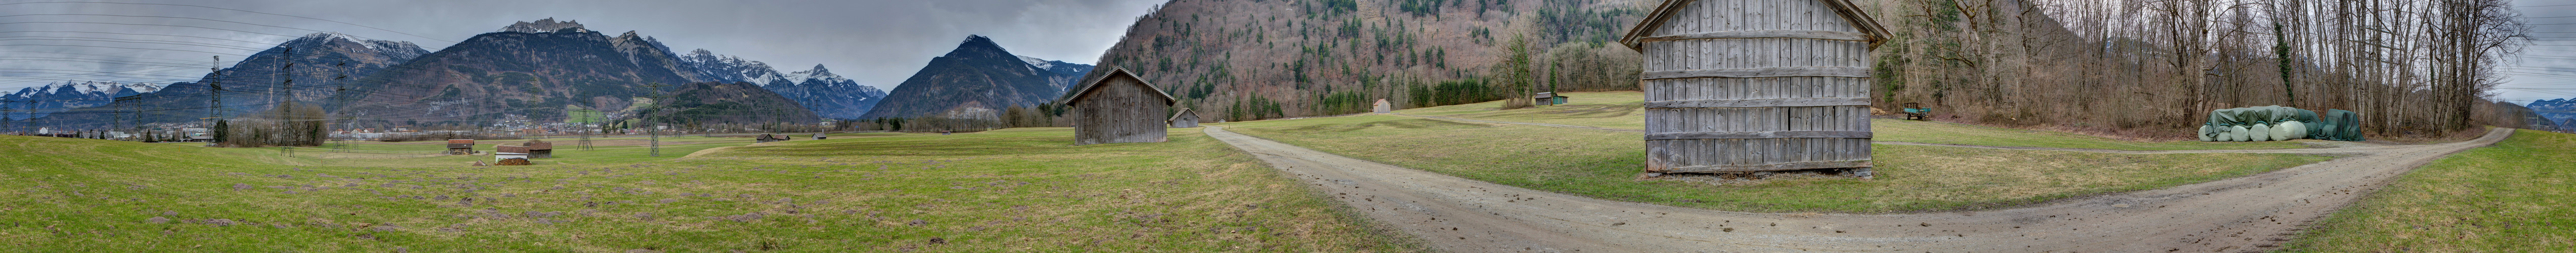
1184	119
1756	85
1118	108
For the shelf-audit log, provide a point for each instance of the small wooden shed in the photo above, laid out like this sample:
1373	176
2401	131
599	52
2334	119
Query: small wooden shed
1757	85
460	146
1548	98
539	149
820	136
1381	107
768	138
1184	119
1118	108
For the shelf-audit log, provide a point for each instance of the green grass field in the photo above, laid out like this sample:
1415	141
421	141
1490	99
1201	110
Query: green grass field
1626	110
2511	197
1604	164
1008	190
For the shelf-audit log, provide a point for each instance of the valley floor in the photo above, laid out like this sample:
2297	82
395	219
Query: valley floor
1008	190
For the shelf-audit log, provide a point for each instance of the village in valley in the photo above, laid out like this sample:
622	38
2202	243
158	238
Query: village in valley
1288	126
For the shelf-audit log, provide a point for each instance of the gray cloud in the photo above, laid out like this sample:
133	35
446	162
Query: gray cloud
877	42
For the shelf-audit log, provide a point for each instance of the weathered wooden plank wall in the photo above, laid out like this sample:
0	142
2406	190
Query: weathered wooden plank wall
1736	86
1120	109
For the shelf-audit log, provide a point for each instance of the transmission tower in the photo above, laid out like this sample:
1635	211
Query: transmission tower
652	128
215	113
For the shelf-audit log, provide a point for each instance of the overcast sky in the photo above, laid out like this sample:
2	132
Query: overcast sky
877	42
2547	69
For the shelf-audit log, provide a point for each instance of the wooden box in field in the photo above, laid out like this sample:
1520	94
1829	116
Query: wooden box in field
1759	85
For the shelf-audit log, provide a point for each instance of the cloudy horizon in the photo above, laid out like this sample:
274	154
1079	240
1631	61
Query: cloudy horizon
875	42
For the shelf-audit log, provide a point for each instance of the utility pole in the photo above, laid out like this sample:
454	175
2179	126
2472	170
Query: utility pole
654	129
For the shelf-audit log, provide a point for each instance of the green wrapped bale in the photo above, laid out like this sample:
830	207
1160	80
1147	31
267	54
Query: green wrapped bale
2346	125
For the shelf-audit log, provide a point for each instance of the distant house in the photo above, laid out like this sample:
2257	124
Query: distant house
1184	119
1118	108
767	138
1382	107
539	149
460	146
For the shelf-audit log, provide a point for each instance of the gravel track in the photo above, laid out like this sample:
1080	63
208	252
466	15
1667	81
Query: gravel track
2251	213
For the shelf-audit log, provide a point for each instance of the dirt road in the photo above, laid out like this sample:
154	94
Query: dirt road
2241	214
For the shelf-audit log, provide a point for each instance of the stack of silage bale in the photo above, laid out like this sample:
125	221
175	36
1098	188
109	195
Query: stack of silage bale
2277	123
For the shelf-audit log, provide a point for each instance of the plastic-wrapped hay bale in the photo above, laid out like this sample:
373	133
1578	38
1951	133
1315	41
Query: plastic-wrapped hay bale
2261	132
2205	130
2238	133
2281	131
2297	130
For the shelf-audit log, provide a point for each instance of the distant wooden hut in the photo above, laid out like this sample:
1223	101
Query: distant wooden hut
767	138
1548	98
460	146
1184	119
1381	107
1118	108
540	149
1759	85
820	136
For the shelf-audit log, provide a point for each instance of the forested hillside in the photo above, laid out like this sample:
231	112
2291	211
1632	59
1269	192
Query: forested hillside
2137	67
1255	59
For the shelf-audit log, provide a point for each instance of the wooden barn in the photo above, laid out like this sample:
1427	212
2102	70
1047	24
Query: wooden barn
1184	119
768	138
1758	85
1381	107
1118	108
460	146
540	149
820	136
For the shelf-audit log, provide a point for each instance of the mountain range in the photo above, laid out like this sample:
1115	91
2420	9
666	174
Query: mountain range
827	94
31	102
543	69
2560	112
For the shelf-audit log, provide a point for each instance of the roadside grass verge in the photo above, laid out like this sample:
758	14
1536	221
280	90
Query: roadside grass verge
1626	110
2511	197
1605	165
1010	190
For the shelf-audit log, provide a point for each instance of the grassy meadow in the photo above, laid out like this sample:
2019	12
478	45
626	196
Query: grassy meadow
1605	164
1007	190
1626	110
2511	197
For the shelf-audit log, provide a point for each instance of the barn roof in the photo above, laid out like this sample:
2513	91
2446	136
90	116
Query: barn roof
1114	73
1177	116
1868	27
